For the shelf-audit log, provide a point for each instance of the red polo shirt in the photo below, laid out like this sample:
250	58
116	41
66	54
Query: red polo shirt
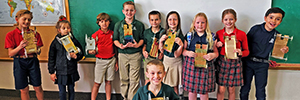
241	42
104	44
14	37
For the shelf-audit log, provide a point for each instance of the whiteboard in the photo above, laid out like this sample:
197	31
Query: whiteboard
249	12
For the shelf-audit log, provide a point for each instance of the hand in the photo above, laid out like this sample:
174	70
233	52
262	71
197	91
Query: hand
92	52
163	38
239	51
191	54
123	46
35	41
178	41
160	55
23	43
134	44
285	49
117	66
219	44
145	54
73	55
273	64
53	77
208	57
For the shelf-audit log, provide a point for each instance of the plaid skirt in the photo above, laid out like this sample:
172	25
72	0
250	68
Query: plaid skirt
198	80
229	72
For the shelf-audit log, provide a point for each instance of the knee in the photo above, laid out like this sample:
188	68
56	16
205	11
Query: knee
96	84
25	90
107	82
231	90
38	88
221	90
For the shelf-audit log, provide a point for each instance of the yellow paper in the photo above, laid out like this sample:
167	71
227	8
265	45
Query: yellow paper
128	36
168	46
158	98
230	46
154	48
68	44
279	43
200	51
31	47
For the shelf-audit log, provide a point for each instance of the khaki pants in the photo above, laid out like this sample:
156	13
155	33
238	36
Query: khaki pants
129	68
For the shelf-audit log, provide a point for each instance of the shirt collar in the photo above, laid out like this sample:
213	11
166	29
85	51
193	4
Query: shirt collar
19	30
160	29
145	89
132	23
263	27
101	32
234	31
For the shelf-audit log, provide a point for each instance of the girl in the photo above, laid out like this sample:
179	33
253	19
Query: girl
196	79
26	65
173	59
62	65
230	70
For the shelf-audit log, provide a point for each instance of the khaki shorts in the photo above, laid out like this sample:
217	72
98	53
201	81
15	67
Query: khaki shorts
173	68
105	69
145	65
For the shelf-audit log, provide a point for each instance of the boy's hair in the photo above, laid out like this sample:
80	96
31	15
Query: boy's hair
103	16
155	62
207	30
62	19
167	24
154	12
227	11
22	12
275	10
128	3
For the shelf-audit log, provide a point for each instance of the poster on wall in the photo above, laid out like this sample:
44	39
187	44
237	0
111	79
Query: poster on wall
45	12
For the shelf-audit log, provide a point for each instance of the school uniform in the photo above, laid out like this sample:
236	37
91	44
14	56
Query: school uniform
195	79
148	41
26	68
229	71
105	60
173	66
130	58
261	42
65	68
165	92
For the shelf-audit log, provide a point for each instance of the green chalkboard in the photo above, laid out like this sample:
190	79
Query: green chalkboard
290	26
83	15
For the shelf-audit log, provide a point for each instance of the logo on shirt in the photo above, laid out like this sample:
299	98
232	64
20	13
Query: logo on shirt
272	40
133	28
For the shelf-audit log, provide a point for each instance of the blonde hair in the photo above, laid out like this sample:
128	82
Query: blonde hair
207	30
155	63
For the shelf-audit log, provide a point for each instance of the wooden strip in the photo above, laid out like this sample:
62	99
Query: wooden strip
67	10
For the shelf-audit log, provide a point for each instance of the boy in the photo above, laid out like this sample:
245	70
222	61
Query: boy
151	37
128	37
26	66
105	61
155	89
261	40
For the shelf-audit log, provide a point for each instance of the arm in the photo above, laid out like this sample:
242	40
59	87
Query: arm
213	55
161	42
52	58
14	51
178	52
187	52
245	49
145	53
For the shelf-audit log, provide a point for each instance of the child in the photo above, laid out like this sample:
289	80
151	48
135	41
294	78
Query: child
26	66
128	37
230	70
173	60
105	61
62	65
261	41
196	79
155	88
151	37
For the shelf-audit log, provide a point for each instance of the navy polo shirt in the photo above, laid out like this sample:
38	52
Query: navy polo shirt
198	40
261	41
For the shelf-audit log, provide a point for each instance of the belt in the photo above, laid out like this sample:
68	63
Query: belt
105	58
23	56
259	60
